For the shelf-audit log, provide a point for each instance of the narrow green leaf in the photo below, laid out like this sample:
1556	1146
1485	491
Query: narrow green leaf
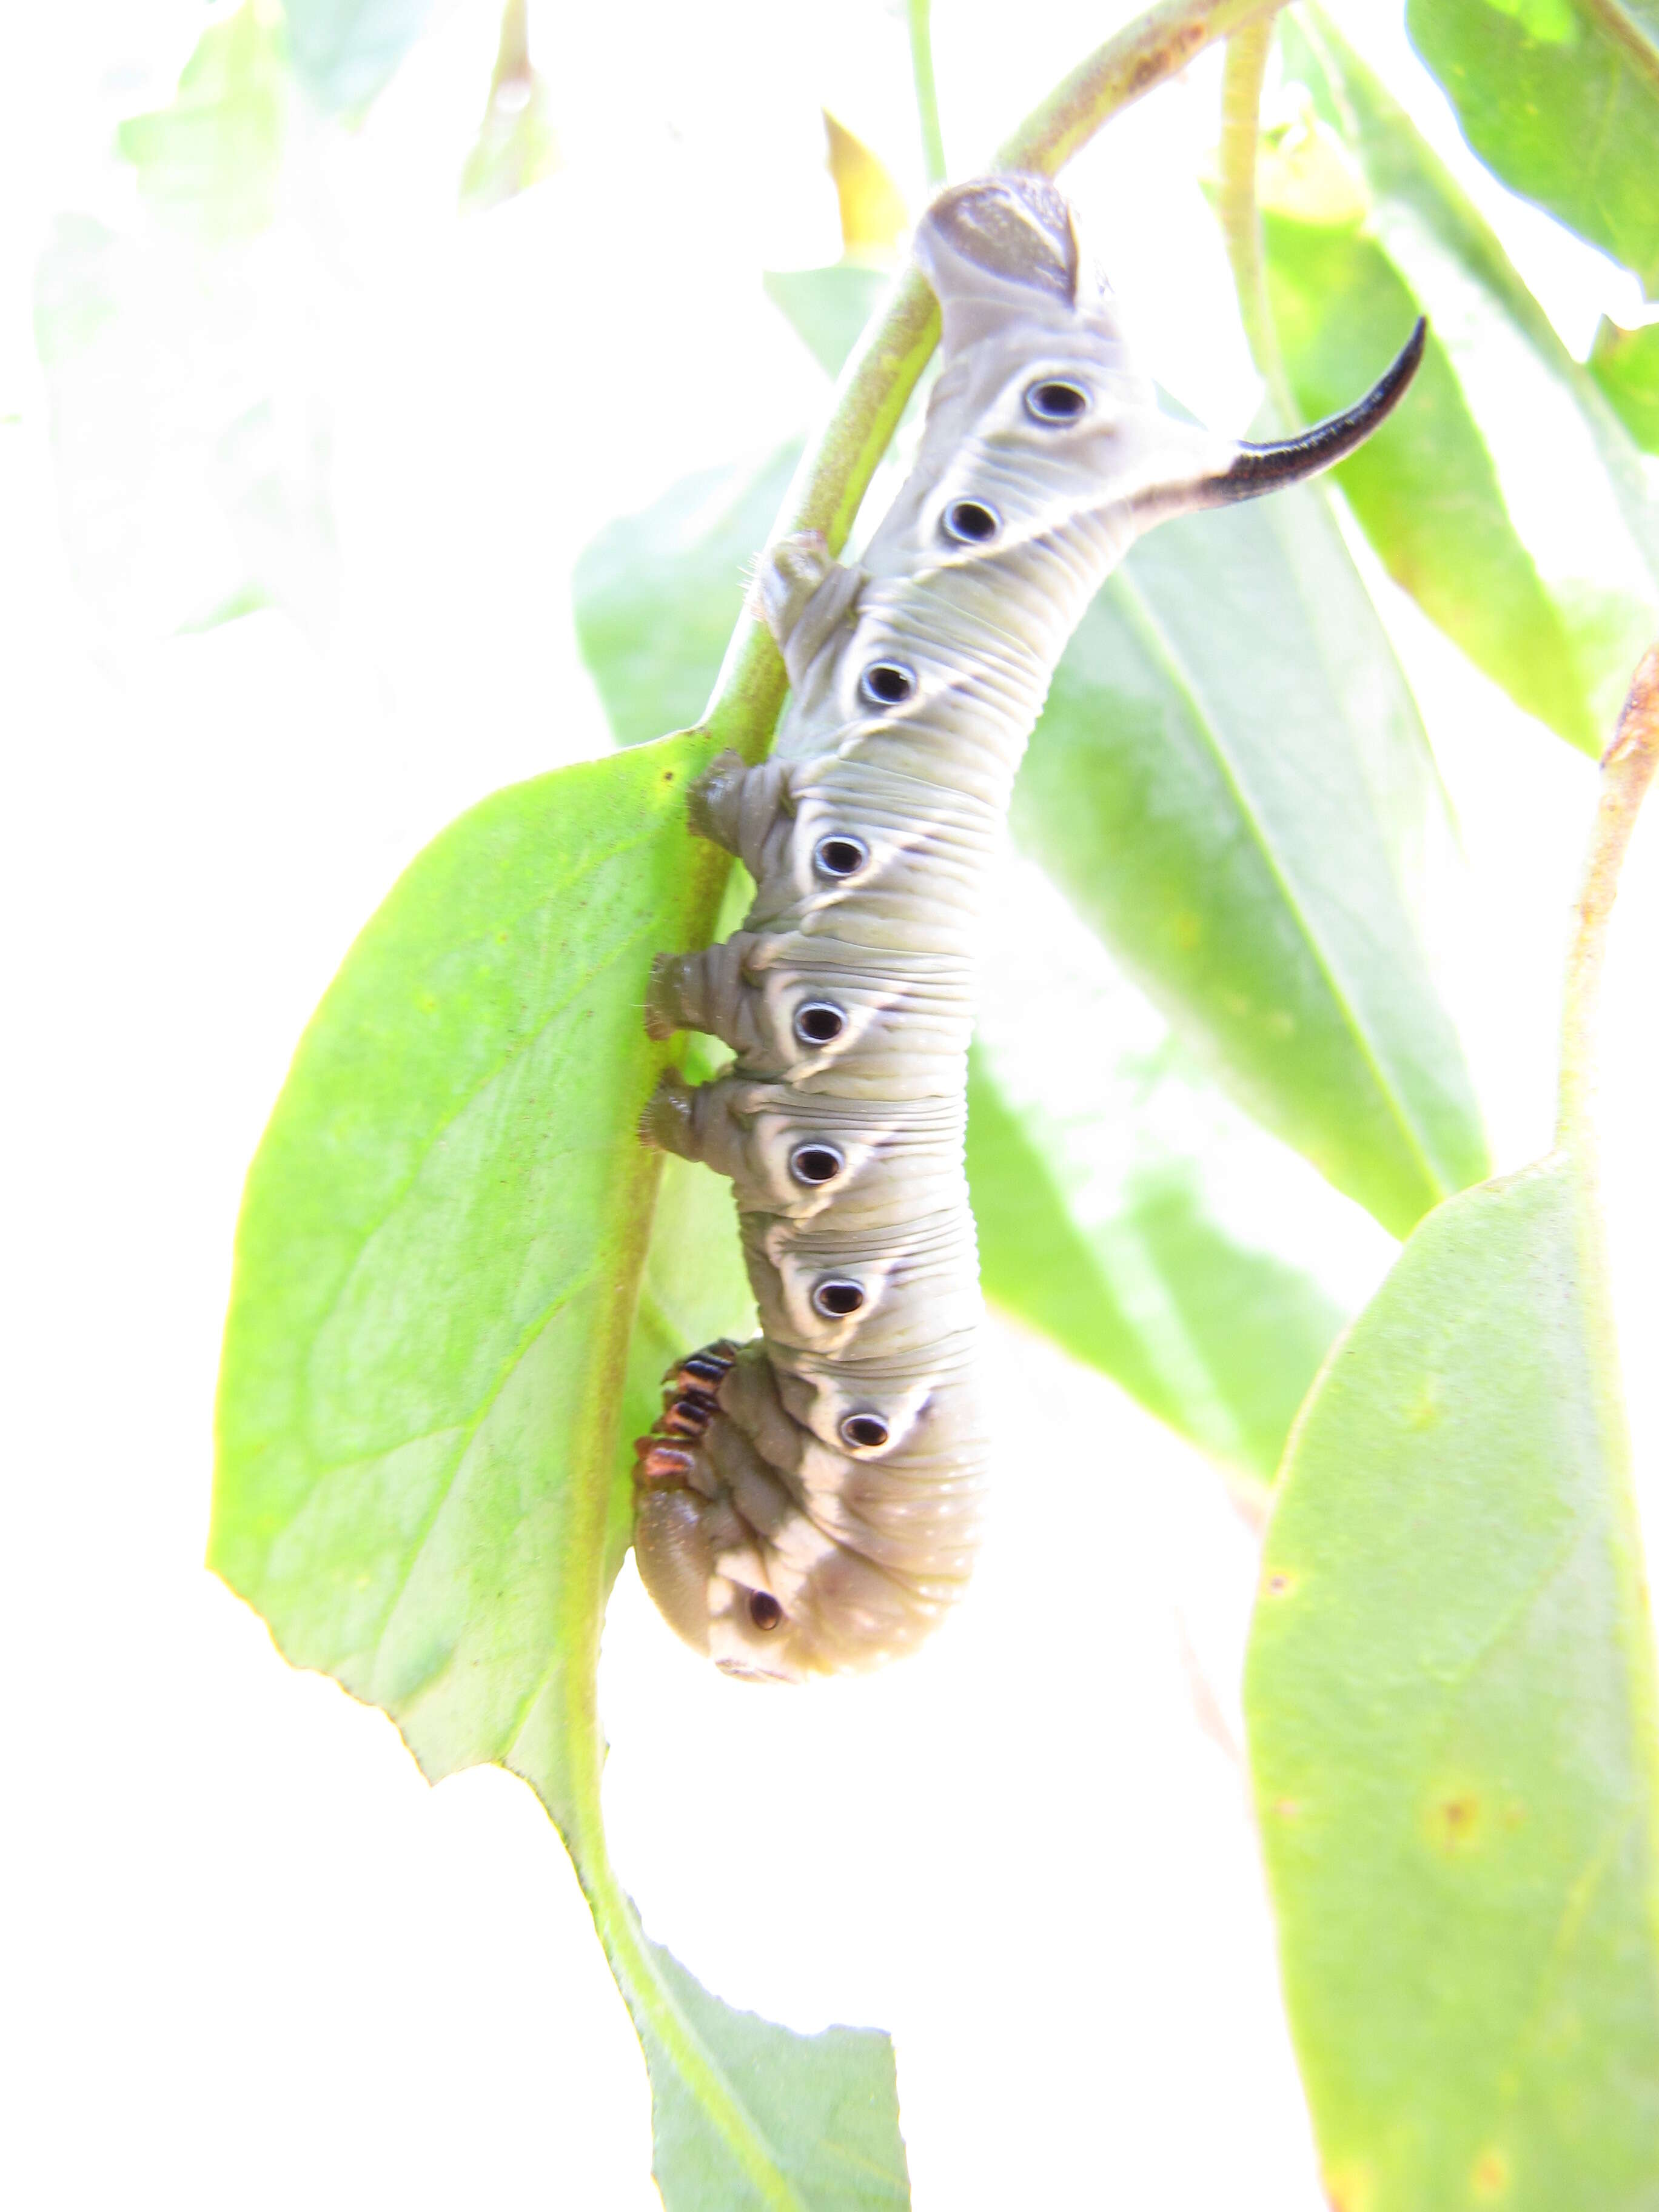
1453	1721
1219	1341
826	307
419	1484
1207	784
1424	489
517	145
1125	1207
1560	98
345	51
210	162
1574	487
656	594
1626	364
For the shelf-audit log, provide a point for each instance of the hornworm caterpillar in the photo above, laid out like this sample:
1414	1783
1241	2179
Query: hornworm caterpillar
809	1502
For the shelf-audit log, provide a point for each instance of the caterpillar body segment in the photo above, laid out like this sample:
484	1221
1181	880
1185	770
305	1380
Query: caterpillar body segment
810	1503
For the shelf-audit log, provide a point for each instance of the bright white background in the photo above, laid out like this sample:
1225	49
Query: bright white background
250	1958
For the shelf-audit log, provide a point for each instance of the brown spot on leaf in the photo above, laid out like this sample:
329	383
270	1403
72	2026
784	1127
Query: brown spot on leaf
1348	2188
1454	1821
1279	1581
1489	2177
1423	1407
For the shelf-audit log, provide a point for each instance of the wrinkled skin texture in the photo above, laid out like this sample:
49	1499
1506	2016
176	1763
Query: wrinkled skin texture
810	1503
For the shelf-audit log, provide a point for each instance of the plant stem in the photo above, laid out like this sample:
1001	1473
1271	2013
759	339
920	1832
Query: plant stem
1627	767
921	65
1236	209
835	470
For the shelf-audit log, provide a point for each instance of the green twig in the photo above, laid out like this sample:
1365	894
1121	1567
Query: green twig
1627	769
1240	217
921	65
835	471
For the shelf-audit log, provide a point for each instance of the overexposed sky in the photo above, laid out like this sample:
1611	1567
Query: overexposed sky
251	1959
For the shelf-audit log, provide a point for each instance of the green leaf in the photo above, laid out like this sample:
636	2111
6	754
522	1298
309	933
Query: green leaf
1451	1724
826	2106
517	145
657	594
826	307
1454	1721
1424	489
209	163
1128	1210
1209	784
345	51
1571	482
1626	364
419	1484
1560	98
1217	1339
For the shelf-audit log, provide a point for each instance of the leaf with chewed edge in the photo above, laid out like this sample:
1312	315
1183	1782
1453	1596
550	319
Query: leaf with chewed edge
419	1484
1453	1724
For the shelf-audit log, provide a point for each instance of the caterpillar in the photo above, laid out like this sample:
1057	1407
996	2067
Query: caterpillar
809	1502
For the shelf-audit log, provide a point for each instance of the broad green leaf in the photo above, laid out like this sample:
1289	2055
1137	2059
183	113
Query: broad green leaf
517	145
1207	785
1626	364
826	307
1560	98
1574	487
345	51
437	1268
1453	1721
873	215
657	594
1127	1208
210	162
1424	489
1451	1731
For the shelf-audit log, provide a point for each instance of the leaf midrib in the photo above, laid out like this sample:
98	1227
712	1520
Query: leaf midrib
1211	732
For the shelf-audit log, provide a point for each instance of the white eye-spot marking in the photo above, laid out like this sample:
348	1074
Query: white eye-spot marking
838	1298
840	855
887	683
1054	399
864	1432
819	1023
970	522
816	1162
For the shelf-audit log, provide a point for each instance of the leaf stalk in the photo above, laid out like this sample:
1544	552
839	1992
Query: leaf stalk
920	13
1627	768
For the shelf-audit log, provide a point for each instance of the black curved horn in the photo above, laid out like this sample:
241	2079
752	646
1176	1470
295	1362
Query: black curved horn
1288	460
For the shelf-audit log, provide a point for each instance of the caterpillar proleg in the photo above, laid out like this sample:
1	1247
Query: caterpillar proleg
809	1502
